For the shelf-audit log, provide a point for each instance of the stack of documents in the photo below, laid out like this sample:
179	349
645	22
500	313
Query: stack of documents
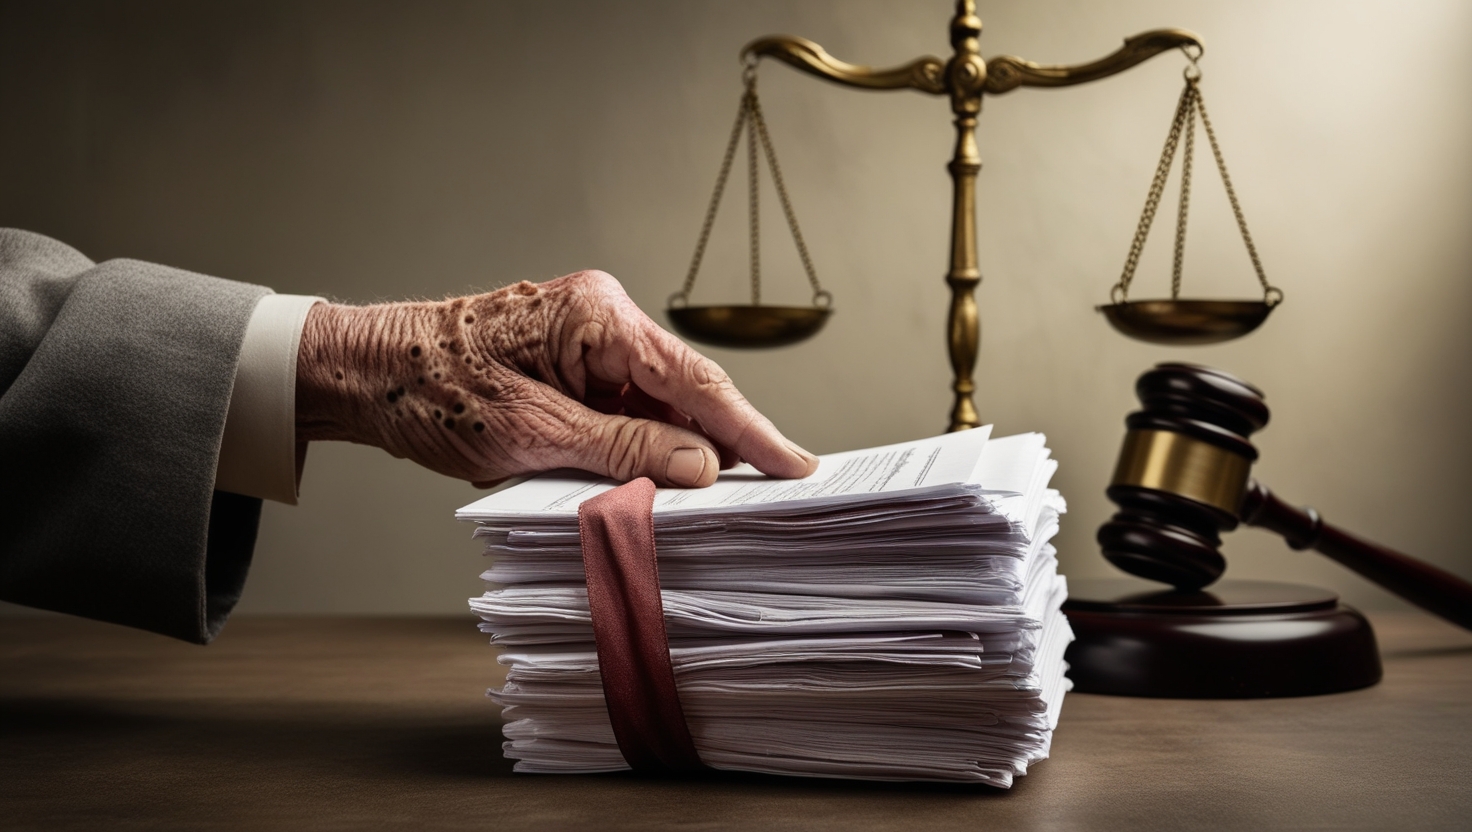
894	616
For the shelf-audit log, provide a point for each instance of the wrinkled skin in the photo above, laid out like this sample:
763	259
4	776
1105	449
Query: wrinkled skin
532	377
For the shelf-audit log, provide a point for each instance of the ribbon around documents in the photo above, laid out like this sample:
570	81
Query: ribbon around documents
617	535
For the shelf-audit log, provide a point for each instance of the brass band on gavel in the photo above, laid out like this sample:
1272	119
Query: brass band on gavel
1179	464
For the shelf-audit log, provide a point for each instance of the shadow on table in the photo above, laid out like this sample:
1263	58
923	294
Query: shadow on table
163	739
1428	652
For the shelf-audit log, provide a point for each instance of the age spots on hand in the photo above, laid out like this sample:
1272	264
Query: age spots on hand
393	396
415	351
450	423
470	319
438	415
525	288
535	303
479	426
338	375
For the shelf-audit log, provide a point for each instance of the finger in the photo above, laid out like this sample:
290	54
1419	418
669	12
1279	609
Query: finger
625	448
623	344
605	397
672	372
641	405
729	458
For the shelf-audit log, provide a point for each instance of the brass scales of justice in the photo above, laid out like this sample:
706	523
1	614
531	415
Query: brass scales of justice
964	79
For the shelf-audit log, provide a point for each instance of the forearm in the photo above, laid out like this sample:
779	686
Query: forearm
115	380
365	375
345	372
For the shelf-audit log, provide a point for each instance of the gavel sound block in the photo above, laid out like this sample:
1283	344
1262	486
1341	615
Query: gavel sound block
1182	479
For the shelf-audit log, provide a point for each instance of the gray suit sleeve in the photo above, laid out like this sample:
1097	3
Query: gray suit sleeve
114	383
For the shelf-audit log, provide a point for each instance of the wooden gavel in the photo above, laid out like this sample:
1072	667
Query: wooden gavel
1183	478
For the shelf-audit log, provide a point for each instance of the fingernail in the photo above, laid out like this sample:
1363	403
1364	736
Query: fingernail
685	466
808	459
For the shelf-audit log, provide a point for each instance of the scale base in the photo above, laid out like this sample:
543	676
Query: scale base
1233	640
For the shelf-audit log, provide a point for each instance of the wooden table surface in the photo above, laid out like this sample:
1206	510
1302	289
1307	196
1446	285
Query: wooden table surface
342	723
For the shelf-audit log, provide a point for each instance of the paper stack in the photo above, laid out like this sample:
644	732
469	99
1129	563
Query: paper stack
895	616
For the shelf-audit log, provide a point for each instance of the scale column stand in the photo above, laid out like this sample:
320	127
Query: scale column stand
964	79
965	76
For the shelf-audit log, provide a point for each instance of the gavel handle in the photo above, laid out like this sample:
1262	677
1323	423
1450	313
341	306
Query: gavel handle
1422	584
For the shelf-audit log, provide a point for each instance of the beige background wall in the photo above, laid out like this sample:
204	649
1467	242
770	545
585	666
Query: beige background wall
371	151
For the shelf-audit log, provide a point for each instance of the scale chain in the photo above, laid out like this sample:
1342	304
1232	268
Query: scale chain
715	204
802	247
1191	103
753	193
1187	155
1269	291
1152	199
749	117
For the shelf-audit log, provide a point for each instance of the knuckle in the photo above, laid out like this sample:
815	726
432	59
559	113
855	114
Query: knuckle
595	282
707	374
628	448
602	279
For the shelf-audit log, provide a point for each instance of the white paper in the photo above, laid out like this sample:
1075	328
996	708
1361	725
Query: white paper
894	616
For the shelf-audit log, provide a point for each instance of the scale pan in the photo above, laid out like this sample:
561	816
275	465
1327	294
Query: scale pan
1186	321
748	327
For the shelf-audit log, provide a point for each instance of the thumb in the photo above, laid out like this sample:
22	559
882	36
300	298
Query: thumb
626	448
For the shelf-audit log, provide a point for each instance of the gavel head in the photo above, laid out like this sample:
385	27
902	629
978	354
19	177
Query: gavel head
1182	474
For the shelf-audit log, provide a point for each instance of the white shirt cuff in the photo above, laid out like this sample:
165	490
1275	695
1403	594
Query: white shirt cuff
258	455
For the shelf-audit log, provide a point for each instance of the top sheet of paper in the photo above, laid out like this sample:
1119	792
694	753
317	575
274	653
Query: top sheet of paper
963	459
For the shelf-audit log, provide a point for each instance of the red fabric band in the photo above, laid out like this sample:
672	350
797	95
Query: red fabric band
617	531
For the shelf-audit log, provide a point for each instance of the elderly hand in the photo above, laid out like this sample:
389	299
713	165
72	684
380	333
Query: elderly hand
565	374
